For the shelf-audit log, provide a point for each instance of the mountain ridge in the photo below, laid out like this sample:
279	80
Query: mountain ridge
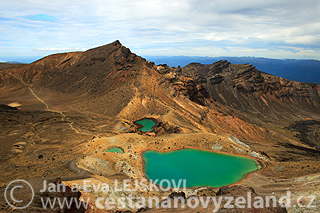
112	81
112	68
302	70
247	82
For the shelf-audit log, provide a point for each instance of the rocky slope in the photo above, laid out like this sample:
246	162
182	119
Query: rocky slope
109	77
111	81
257	94
71	107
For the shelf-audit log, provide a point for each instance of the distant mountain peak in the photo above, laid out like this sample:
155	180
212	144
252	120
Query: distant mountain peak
108	47
116	42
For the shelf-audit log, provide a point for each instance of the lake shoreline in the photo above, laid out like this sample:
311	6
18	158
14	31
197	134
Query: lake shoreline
261	165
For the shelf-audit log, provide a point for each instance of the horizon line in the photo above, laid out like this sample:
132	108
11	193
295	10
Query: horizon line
31	59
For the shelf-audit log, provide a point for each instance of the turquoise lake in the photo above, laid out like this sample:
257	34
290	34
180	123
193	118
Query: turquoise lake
198	167
146	124
115	149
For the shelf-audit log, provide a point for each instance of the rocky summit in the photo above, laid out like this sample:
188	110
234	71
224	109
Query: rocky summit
59	114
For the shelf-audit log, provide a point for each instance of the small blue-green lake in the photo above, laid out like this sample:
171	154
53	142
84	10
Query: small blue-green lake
198	167
146	124
115	149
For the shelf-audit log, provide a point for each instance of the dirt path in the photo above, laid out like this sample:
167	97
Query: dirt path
47	106
61	113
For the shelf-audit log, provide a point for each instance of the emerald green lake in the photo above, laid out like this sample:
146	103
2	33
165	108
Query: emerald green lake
115	149
146	124
198	167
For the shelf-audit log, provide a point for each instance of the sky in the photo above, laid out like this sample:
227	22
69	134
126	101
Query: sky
261	28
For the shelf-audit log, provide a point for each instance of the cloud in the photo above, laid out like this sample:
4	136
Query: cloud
175	27
57	49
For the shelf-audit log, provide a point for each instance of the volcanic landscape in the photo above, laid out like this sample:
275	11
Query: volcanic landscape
60	114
